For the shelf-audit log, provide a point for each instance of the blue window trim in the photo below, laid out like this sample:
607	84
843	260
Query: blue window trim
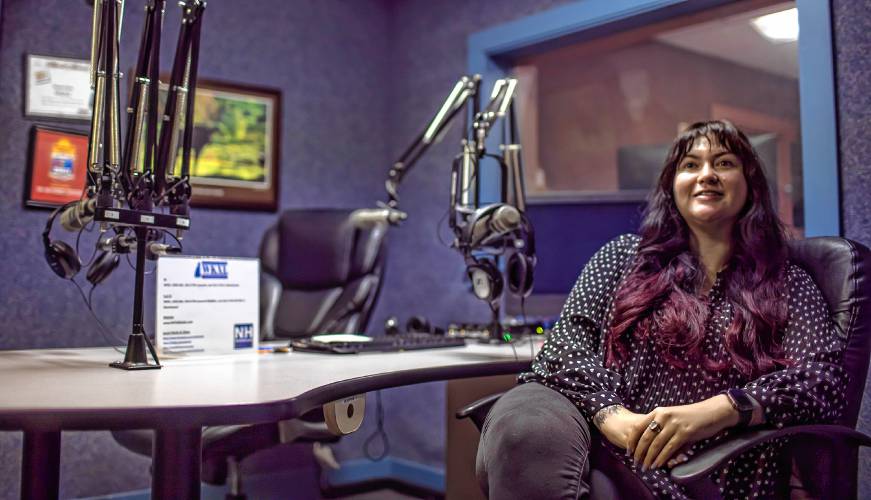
575	21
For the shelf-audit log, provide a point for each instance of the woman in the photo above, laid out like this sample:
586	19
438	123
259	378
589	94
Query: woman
671	338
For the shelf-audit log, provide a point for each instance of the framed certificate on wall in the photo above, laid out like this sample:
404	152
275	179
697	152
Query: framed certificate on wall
56	166
57	87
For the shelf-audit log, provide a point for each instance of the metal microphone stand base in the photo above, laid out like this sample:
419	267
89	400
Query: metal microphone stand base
138	345
136	357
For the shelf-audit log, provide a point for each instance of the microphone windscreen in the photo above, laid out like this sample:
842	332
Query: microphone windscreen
79	215
505	219
369	217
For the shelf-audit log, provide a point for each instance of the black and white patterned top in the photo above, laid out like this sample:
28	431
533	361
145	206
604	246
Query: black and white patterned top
811	390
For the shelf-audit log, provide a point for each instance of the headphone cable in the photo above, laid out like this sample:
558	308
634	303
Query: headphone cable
103	330
145	273
379	431
525	322
79	237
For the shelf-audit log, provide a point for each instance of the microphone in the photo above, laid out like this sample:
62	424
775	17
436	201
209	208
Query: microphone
160	249
365	218
491	222
79	215
120	243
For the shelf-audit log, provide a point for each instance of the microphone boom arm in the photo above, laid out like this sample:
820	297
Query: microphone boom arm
465	90
501	107
179	113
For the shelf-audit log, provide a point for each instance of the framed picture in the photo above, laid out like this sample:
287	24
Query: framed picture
56	167
235	146
57	87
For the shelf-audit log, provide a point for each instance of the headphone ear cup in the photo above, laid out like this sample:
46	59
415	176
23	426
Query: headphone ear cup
530	274
515	272
486	280
62	259
102	267
519	270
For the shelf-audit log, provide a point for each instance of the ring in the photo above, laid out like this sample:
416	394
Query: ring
655	427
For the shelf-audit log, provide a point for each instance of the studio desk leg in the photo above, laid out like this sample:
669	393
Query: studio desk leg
40	465
176	461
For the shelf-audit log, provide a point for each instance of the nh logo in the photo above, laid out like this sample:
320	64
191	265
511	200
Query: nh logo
243	335
211	270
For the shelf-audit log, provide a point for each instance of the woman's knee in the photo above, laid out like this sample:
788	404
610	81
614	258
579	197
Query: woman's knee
533	429
532	412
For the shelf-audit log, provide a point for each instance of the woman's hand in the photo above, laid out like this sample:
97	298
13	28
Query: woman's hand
617	424
678	428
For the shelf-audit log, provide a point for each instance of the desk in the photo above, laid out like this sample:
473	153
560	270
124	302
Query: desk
47	391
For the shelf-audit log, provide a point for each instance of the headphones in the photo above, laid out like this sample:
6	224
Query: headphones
62	259
486	277
103	265
418	324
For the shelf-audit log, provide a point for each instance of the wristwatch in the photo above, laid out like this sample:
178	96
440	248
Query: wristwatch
743	404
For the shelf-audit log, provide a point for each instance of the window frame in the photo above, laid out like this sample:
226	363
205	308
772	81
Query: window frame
490	52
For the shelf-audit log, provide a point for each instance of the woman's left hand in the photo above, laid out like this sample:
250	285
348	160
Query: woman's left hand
677	427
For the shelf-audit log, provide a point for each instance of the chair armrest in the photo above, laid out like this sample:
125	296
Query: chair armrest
479	409
704	463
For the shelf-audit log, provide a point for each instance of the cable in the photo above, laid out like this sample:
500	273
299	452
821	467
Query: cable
525	322
89	227
439	229
150	346
170	189
103	330
145	273
379	431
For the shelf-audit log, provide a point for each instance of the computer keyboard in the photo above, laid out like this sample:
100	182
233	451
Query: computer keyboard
388	343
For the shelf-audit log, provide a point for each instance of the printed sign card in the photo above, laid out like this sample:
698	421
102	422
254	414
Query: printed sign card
207	305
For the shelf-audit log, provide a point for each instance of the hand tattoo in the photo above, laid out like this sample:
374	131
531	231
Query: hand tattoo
603	414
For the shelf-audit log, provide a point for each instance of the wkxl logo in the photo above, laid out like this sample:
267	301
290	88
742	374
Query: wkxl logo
211	270
243	335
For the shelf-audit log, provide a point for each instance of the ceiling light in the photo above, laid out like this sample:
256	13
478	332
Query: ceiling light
780	26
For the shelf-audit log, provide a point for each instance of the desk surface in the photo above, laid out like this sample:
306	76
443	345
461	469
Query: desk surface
74	389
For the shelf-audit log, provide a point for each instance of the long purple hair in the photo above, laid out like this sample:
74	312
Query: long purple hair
659	297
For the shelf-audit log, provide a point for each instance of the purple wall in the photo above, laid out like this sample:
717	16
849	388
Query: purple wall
851	24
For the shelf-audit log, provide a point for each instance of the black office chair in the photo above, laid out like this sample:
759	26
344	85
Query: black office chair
319	273
825	457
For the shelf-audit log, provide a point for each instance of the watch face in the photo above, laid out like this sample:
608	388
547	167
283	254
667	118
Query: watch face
741	400
481	284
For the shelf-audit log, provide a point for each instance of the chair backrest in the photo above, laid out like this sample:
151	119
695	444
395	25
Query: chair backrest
840	268
319	273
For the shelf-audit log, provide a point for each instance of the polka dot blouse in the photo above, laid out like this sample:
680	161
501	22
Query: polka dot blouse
808	391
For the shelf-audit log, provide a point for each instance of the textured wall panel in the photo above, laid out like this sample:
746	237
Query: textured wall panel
852	23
